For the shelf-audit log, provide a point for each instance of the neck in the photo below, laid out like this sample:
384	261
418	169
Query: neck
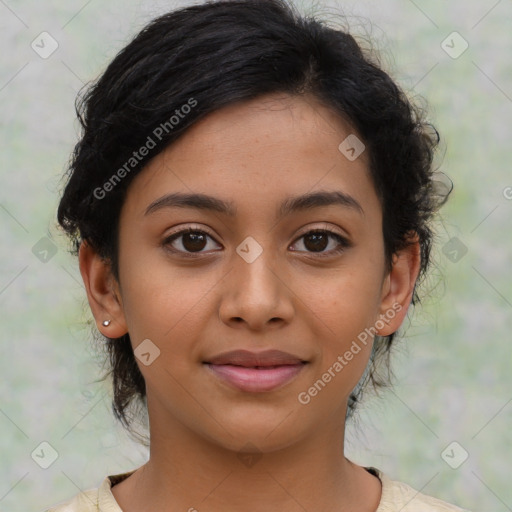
185	471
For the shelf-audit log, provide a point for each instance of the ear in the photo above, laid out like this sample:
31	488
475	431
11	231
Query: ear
398	287
102	292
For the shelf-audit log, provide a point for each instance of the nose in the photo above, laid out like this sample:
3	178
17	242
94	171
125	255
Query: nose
256	293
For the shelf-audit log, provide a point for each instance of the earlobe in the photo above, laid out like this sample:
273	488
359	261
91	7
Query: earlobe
102	294
399	287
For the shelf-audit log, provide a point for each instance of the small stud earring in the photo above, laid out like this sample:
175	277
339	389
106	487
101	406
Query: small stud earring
106	323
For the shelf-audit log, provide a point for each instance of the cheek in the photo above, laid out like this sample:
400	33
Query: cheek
163	302
345	302
343	308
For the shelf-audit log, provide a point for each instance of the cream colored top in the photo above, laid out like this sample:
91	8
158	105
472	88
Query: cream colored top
396	497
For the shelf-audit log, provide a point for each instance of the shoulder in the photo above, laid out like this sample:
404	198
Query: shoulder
86	501
398	496
92	500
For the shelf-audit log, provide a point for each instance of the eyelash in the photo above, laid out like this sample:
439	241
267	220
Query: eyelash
343	242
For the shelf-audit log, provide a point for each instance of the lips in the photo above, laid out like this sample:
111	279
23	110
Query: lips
253	359
255	371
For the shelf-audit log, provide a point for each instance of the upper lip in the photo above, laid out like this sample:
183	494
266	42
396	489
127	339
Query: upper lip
249	359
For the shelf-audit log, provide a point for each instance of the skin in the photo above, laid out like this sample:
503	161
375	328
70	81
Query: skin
290	298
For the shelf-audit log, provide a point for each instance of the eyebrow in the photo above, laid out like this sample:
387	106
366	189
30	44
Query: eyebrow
290	205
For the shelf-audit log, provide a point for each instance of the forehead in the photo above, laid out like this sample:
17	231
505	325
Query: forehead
258	152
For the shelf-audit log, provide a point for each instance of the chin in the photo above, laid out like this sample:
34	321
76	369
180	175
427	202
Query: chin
260	431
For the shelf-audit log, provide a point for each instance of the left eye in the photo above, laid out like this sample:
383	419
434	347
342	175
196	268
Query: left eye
315	241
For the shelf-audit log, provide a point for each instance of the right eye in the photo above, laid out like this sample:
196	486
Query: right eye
191	240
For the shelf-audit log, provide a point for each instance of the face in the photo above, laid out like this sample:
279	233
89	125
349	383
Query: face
264	268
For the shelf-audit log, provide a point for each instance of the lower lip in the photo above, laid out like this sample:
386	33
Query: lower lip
256	379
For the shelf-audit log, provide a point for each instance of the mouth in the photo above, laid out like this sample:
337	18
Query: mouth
255	372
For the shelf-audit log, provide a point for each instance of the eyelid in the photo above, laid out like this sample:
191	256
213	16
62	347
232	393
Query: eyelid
302	232
191	227
323	227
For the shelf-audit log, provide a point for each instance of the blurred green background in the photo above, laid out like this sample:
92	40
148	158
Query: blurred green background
452	367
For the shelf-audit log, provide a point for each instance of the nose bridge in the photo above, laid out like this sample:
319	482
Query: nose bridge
256	292
254	265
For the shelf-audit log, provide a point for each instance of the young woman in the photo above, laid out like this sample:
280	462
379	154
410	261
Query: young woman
250	203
